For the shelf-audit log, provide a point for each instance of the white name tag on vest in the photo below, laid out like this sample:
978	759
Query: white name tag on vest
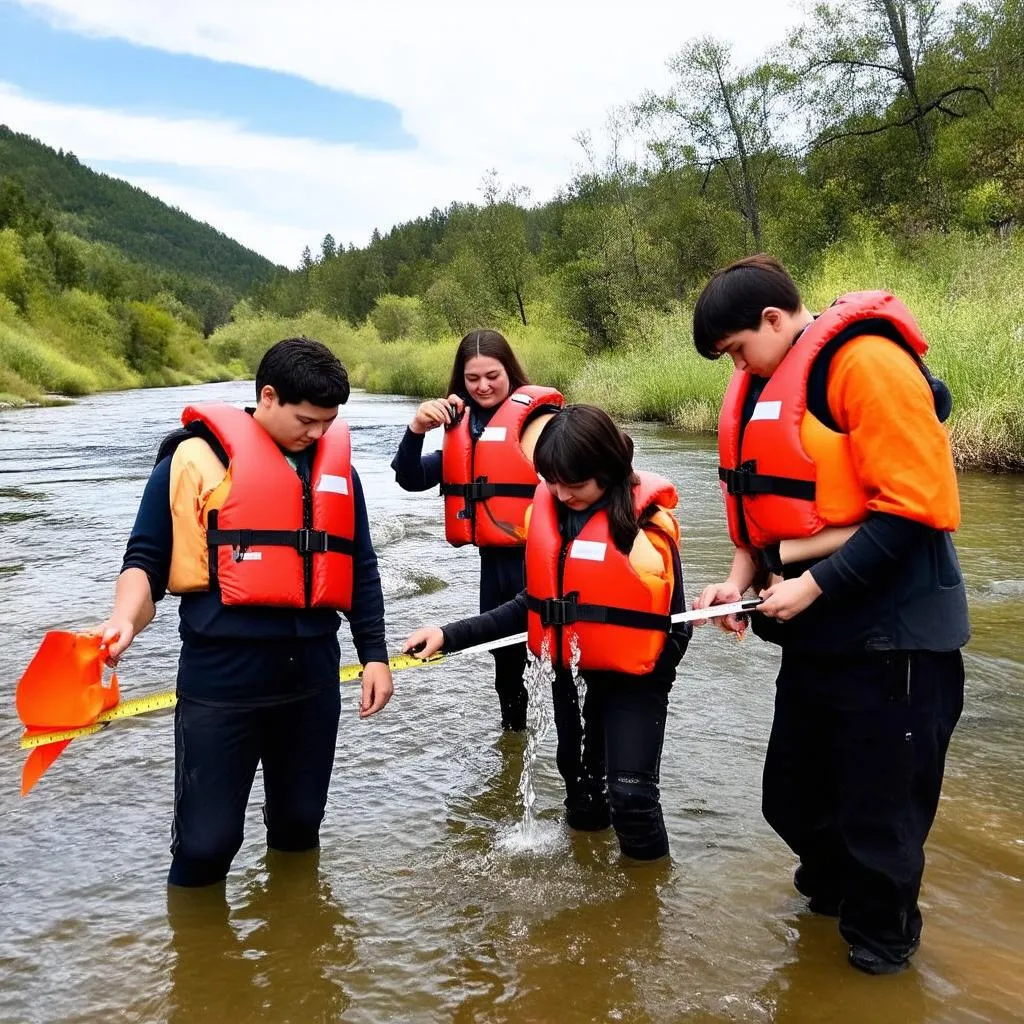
333	484
493	434
588	550
251	556
767	411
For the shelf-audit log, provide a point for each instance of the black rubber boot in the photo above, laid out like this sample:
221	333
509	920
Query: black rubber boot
821	898
870	962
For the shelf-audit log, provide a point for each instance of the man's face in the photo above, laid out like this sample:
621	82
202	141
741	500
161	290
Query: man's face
294	427
761	350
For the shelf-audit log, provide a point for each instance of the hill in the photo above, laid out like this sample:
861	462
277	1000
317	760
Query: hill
100	208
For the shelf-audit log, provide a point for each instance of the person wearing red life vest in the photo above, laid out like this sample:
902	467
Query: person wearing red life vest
491	419
831	422
603	578
257	519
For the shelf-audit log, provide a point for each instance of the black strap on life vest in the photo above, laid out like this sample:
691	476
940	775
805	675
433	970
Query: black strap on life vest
565	611
305	542
482	489
817	380
169	445
747	481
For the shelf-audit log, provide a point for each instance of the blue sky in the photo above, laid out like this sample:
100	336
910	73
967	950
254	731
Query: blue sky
65	67
278	121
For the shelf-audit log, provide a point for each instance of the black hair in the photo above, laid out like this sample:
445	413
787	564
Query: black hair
582	442
485	343
303	370
736	296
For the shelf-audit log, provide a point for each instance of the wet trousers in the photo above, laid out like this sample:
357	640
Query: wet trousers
502	577
609	755
217	750
852	778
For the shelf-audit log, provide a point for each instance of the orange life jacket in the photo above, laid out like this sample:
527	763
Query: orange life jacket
786	474
588	593
488	483
256	531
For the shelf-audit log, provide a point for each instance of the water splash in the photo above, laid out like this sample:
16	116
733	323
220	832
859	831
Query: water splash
580	684
537	677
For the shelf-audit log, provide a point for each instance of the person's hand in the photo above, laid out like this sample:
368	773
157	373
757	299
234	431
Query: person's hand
722	593
377	688
437	412
116	635
790	597
424	642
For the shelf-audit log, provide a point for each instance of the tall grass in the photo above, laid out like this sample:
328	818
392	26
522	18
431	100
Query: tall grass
72	343
966	291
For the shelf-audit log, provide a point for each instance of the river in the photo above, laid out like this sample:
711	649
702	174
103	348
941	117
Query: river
418	908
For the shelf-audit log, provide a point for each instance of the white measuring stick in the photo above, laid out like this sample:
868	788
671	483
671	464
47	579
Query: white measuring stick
712	612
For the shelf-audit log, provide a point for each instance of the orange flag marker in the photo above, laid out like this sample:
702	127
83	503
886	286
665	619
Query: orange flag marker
62	688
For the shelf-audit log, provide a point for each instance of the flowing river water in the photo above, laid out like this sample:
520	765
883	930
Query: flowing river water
427	901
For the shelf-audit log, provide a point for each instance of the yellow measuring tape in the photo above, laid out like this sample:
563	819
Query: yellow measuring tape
162	701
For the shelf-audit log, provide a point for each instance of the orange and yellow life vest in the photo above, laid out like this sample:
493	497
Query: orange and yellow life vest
587	596
786	474
255	529
488	482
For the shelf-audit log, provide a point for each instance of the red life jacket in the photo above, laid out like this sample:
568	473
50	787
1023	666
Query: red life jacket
273	540
590	590
785	473
488	483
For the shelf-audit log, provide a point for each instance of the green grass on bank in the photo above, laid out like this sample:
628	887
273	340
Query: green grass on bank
967	292
72	344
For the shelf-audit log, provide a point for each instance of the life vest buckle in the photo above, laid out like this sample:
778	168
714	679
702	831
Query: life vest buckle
479	490
739	481
238	551
310	542
559	611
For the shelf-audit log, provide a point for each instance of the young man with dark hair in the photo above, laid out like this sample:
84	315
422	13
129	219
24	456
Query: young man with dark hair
257	519
832	421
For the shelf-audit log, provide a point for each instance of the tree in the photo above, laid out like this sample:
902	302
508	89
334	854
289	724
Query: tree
868	67
503	246
328	248
395	316
722	120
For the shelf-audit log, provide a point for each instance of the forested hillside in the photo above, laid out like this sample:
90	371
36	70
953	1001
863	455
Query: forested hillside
79	316
100	208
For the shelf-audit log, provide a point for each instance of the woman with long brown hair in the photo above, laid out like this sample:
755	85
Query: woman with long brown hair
491	418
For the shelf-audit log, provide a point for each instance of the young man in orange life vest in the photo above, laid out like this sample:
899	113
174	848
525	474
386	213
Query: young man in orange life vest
829	421
257	519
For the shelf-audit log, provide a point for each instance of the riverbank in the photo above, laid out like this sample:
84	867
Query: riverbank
967	292
70	343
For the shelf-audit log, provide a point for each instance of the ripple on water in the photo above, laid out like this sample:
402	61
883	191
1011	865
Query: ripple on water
387	531
399	581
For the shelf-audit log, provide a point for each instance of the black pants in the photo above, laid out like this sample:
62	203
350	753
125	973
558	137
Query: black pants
217	750
502	577
610	757
852	778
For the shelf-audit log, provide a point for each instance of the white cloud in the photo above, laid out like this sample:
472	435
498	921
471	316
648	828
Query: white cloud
478	86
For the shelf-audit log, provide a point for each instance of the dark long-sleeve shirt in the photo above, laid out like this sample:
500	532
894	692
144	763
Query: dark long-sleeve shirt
415	471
